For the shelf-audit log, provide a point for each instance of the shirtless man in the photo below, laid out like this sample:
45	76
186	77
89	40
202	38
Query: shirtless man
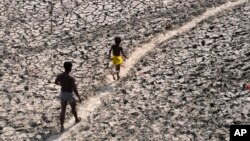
68	86
116	58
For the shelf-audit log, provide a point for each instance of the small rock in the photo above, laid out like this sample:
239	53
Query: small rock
199	59
26	88
33	124
76	53
203	43
1	74
8	131
246	67
39	137
123	91
212	104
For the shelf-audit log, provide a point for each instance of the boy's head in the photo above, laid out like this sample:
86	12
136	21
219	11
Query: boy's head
117	40
67	66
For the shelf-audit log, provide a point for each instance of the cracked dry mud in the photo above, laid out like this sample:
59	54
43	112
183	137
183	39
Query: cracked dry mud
159	100
188	88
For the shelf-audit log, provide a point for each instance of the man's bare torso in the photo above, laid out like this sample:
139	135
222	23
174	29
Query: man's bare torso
66	81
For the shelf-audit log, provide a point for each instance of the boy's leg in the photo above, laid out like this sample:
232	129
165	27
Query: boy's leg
62	114
112	72
73	110
118	71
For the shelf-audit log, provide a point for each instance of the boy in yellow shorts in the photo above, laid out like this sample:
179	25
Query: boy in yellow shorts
116	57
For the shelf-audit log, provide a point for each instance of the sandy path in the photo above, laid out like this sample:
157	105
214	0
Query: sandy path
94	102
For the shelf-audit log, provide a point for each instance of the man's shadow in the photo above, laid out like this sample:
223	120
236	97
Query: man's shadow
58	134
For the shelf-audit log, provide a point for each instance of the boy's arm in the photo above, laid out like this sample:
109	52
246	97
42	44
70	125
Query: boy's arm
123	53
110	53
75	90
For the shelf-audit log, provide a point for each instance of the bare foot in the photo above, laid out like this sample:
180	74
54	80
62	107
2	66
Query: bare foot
113	77
62	129
78	120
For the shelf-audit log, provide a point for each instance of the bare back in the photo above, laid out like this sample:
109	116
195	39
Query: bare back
66	81
116	50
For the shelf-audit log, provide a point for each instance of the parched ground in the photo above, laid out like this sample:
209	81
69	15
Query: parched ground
188	88
36	37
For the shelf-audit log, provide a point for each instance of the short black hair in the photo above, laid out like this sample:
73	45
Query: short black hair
67	66
118	40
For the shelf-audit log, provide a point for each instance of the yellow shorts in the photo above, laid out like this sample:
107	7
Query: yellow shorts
117	60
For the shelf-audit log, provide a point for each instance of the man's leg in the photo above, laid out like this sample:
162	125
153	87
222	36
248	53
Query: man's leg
62	114
118	71
73	110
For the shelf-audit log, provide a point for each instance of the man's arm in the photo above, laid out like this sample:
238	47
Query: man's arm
75	90
57	81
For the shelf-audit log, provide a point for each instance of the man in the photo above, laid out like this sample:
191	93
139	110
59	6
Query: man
68	86
116	58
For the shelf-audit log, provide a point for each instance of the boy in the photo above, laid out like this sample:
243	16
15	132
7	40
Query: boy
116	57
68	86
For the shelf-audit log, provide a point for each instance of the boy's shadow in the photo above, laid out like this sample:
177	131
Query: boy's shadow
106	88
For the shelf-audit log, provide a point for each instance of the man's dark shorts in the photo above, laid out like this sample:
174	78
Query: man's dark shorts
67	97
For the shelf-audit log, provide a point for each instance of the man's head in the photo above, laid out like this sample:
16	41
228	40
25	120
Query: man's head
117	40
67	66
